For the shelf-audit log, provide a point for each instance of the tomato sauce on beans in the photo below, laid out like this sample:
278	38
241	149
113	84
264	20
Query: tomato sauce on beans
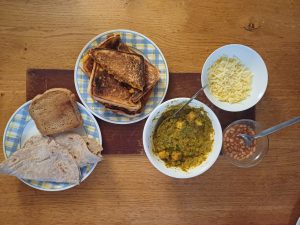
234	146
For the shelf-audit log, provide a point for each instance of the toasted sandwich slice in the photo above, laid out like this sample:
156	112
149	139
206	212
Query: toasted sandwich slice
120	110
125	67
110	92
87	64
112	42
152	75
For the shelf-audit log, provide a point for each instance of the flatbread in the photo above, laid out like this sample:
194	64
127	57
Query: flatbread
37	140
53	159
77	147
50	162
93	145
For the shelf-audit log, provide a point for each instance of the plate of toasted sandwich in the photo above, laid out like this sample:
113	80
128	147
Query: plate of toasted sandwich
121	76
51	143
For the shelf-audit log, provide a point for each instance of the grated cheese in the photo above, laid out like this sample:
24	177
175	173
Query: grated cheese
229	80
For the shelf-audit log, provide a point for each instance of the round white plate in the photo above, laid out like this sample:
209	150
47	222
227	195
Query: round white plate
21	127
143	45
250	59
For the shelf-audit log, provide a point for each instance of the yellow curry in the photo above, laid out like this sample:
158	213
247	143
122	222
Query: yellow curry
185	140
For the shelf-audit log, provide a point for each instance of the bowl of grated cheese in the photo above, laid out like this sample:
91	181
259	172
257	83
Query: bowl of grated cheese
237	77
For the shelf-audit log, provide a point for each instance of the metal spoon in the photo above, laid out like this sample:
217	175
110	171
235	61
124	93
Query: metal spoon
191	99
162	120
248	139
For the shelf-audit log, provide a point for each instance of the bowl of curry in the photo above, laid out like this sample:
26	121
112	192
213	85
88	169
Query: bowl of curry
185	145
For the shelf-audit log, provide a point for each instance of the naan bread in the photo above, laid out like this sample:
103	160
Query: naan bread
76	146
46	162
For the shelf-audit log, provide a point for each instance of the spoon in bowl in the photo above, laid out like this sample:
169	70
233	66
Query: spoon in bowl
162	120
191	99
248	139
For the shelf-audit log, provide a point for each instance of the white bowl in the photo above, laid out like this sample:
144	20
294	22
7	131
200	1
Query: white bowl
250	59
172	171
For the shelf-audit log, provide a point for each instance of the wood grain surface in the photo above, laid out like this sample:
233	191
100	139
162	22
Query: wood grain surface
126	189
127	139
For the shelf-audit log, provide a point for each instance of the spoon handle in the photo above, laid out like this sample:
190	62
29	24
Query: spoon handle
278	127
191	99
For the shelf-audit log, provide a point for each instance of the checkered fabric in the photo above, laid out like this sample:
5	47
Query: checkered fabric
14	132
148	49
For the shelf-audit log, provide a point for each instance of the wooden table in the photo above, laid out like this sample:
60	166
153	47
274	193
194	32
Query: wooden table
126	189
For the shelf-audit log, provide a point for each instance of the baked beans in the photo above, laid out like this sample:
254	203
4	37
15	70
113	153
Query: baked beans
234	145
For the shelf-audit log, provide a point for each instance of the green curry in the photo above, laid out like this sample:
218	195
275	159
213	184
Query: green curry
185	140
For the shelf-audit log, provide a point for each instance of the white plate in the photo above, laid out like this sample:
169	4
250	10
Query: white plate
141	44
21	127
149	129
250	59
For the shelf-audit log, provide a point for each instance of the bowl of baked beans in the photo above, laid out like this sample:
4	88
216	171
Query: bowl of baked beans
235	149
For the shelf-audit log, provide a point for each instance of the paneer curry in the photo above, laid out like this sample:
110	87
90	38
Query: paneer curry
185	140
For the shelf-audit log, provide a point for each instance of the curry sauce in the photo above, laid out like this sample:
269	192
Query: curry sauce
185	140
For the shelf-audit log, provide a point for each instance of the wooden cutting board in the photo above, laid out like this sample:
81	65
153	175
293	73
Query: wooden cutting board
127	139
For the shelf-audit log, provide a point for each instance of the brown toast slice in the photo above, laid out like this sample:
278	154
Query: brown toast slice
55	111
125	67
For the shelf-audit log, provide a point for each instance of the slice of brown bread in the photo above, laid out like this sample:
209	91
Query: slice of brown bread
55	111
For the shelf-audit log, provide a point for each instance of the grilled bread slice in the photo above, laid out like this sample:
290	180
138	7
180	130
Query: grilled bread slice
152	77
87	64
108	91
123	66
152	74
55	111
124	111
112	42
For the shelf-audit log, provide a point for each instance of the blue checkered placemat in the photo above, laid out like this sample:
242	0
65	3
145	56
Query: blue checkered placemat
14	131
149	50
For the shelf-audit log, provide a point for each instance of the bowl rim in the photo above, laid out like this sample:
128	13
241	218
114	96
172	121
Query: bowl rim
216	102
216	150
